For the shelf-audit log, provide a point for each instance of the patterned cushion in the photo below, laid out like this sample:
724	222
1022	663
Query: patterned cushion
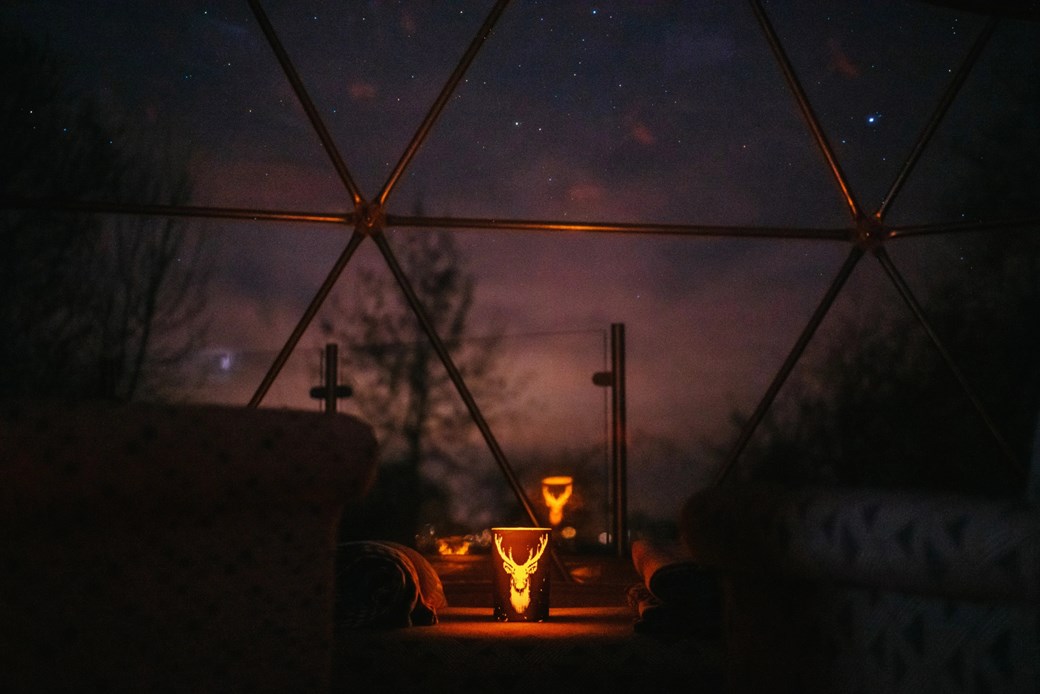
935	544
864	590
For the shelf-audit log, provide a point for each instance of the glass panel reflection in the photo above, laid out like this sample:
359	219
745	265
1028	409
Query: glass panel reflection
616	112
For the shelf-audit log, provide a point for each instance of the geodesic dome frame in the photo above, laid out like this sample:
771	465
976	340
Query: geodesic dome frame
868	231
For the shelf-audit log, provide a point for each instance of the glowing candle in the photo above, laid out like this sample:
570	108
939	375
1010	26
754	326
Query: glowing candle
556	491
520	574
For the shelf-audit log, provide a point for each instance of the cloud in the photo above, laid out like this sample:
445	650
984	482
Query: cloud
255	179
840	61
641	133
585	192
409	23
362	91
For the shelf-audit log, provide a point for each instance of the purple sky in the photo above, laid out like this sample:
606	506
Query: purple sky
640	111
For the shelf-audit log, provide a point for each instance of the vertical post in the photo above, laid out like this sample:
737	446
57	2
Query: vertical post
331	376
619	446
331	391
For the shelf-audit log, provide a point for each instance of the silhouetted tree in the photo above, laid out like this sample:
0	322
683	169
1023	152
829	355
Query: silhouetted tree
89	306
402	388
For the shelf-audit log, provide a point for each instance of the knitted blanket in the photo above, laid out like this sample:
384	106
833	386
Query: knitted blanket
383	584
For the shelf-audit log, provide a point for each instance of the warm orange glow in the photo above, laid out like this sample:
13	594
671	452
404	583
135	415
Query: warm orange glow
454	545
521	584
557	492
520	574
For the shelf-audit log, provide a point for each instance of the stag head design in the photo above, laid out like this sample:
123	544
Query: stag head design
520	574
556	503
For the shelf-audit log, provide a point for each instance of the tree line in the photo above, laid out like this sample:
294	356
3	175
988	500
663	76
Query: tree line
90	306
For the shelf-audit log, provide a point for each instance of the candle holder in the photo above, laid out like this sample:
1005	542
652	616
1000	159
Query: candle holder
556	491
520	579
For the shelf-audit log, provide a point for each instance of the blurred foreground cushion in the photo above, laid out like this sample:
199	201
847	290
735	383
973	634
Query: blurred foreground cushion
863	590
171	548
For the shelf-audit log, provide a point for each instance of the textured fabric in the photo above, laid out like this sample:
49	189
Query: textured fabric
171	548
926	543
858	590
667	569
677	594
384	584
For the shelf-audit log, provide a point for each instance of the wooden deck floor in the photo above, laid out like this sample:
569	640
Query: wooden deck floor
588	643
595	581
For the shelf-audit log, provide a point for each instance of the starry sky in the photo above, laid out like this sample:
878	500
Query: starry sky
642	111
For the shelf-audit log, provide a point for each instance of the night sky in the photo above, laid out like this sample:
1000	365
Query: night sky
643	111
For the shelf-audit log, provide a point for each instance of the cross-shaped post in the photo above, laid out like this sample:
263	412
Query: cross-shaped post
331	391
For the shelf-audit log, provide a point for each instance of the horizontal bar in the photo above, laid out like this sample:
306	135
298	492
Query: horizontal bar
825	234
842	234
14	202
961	227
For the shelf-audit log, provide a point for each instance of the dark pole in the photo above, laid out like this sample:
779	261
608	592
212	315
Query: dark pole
790	362
331	391
460	386
331	376
620	439
308	316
